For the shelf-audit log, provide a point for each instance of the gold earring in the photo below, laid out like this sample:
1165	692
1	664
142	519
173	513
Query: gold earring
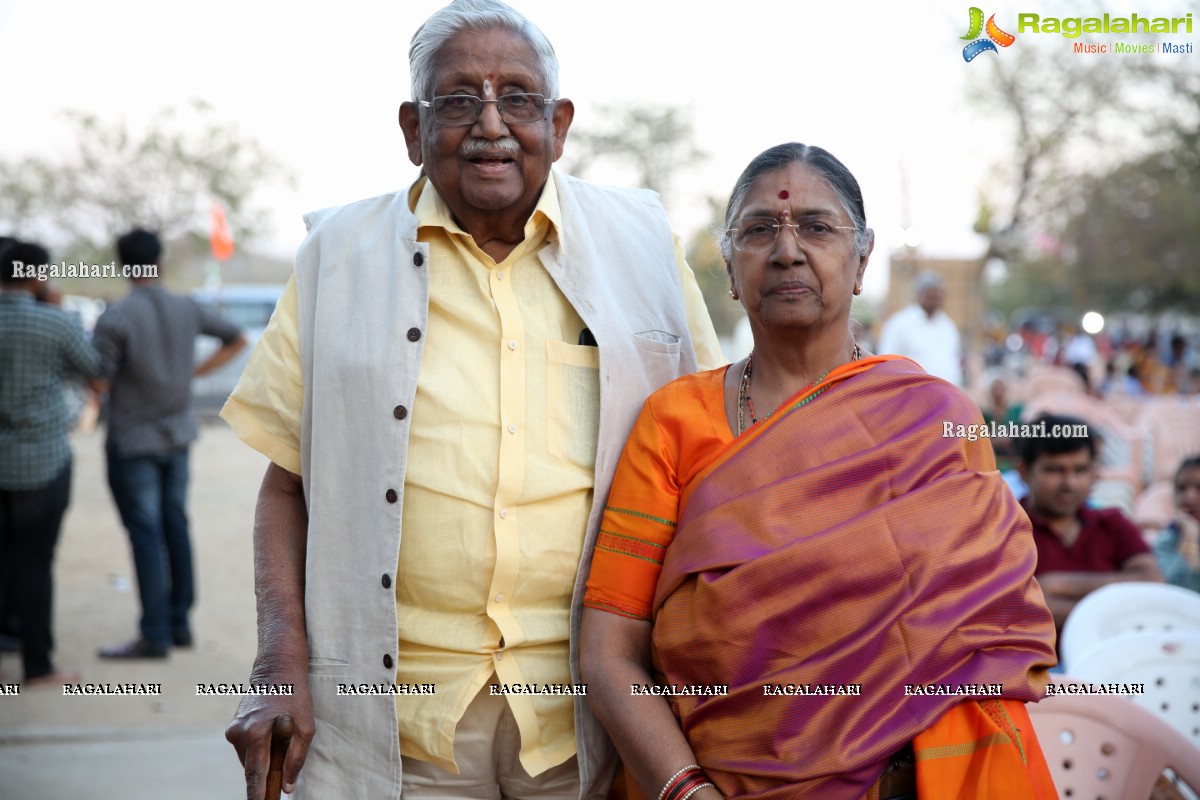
733	294
858	288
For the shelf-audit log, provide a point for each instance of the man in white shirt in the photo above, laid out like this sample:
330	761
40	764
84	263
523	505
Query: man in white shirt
925	333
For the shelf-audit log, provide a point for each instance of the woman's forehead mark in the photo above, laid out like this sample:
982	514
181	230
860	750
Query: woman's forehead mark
783	194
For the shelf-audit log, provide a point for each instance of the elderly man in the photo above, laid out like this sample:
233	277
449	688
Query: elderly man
444	391
925	333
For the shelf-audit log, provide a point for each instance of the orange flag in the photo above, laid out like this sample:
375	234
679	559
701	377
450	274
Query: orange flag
221	238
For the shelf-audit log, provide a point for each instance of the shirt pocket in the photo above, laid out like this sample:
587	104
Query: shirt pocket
572	402
327	667
661	357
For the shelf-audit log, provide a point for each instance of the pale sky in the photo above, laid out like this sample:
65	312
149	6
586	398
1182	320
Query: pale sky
882	85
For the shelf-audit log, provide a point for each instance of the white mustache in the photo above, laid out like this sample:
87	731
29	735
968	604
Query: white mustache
475	146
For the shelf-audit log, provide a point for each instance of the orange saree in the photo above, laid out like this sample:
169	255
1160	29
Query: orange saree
843	541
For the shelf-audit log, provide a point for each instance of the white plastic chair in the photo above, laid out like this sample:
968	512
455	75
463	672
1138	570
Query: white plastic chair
1105	746
1165	663
1172	426
1126	608
1121	455
1154	508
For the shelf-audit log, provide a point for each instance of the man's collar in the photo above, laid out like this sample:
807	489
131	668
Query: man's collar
1084	513
431	210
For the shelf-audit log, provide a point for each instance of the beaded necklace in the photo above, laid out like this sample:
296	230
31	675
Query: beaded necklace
746	401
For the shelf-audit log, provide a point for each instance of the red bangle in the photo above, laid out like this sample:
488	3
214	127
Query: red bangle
684	776
694	780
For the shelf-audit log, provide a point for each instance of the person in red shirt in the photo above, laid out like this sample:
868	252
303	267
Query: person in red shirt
1079	549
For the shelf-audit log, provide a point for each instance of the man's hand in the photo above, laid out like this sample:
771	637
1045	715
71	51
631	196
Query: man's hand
220	357
280	539
261	718
1063	590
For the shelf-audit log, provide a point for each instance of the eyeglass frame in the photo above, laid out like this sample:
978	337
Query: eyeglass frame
795	226
546	101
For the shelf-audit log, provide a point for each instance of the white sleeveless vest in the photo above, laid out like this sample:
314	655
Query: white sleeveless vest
363	299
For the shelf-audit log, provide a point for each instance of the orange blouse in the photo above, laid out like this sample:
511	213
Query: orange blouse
681	430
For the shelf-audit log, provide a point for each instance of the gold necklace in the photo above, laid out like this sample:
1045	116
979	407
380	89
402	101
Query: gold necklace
745	400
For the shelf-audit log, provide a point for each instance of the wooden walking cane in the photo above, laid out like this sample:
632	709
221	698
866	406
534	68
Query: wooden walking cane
281	736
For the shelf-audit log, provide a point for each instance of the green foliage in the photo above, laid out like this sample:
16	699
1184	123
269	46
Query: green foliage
164	177
704	257
1136	236
656	141
1096	204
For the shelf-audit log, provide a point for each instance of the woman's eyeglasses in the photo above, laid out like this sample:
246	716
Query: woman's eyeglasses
758	234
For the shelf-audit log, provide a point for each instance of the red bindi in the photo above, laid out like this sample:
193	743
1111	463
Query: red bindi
783	194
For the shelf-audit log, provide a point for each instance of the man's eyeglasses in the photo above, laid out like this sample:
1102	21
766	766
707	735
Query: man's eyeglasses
464	109
758	234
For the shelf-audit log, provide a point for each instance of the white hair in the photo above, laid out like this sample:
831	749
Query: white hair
475	15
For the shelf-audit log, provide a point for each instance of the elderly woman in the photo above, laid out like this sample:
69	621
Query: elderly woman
835	588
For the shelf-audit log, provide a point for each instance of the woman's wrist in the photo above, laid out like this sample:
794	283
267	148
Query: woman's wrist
695	791
683	783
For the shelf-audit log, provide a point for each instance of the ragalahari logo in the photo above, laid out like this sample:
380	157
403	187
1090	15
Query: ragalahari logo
995	36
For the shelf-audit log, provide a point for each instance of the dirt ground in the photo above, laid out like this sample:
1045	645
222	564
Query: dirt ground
53	746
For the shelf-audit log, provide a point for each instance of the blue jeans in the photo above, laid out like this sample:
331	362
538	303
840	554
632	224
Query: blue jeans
150	493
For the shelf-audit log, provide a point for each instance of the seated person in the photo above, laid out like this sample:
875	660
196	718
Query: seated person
998	410
1079	549
1178	546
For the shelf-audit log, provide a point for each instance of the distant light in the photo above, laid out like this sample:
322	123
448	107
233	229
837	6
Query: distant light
1093	322
912	236
1014	342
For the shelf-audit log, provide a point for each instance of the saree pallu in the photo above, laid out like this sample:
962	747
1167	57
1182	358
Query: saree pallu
847	541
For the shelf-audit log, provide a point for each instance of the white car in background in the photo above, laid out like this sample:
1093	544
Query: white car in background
249	306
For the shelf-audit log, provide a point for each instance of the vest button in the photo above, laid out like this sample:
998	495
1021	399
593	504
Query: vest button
418	259
387	661
391	496
387	581
399	412
414	334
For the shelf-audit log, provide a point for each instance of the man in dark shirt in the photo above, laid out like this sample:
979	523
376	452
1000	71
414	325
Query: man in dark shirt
1079	549
146	343
40	346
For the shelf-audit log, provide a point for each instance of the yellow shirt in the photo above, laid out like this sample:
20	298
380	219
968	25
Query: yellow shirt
498	483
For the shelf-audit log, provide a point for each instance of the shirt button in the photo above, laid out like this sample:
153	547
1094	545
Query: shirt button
414	334
500	598
387	661
418	259
391	496
499	276
512	428
399	412
387	581
503	512
499	656
512	344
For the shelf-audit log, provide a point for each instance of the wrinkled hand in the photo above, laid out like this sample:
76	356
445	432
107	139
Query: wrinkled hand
260	716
